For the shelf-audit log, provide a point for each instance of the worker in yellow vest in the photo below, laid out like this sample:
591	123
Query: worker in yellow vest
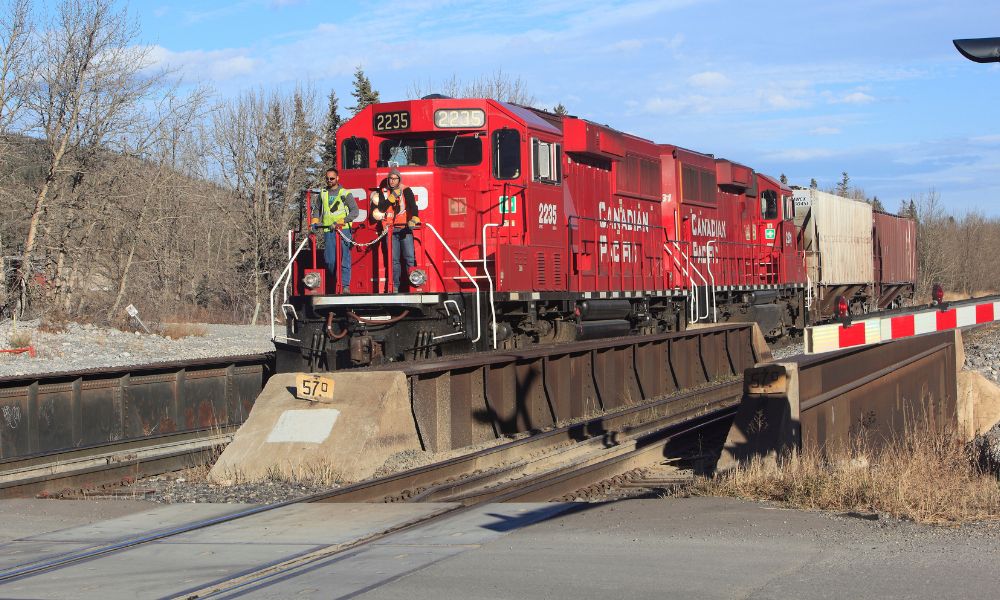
337	210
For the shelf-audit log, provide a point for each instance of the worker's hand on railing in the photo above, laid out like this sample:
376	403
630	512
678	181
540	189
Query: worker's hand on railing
314	225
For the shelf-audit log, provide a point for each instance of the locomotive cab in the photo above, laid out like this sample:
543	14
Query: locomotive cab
464	161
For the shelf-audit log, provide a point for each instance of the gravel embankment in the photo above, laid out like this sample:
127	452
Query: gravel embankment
786	349
90	347
982	352
177	489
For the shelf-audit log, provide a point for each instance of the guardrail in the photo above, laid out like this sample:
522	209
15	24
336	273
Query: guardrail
51	413
883	327
874	393
464	401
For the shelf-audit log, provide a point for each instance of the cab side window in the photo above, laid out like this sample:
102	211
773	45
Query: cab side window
506	154
546	162
769	205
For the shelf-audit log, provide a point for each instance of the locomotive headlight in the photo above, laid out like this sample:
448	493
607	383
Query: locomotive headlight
418	277
311	280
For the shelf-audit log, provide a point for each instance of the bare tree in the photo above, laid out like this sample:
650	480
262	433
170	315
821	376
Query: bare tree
267	151
89	87
16	69
498	86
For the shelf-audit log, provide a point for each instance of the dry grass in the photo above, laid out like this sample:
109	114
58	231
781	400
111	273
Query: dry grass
176	331
54	321
928	477
19	339
319	473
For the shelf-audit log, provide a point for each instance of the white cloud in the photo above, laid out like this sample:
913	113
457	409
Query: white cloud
825	131
709	79
218	65
626	46
799	154
855	98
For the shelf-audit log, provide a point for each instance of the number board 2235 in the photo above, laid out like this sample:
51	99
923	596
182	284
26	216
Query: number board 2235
392	121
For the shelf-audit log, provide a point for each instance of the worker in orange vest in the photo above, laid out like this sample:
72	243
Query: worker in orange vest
396	202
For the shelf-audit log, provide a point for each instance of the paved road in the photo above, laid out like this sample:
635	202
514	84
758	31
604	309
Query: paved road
656	548
714	548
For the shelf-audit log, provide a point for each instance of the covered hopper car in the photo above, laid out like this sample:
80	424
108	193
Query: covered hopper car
539	228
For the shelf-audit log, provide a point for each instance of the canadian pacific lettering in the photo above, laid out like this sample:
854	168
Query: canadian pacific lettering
620	218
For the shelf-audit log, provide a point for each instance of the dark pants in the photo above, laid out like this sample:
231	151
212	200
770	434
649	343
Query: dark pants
402	242
330	240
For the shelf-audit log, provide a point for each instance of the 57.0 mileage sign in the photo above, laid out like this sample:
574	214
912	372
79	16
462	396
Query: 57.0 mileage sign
313	387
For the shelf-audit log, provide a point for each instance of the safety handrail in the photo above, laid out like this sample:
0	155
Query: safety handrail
693	311
693	269
704	281
489	279
286	273
708	260
479	322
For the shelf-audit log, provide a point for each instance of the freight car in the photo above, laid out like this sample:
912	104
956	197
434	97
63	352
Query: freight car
537	228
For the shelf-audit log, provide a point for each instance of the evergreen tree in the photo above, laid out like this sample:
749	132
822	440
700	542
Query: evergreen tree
333	122
813	184
877	205
560	110
302	145
273	156
843	185
783	179
363	93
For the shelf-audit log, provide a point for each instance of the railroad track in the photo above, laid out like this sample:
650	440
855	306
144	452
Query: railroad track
90	468
550	465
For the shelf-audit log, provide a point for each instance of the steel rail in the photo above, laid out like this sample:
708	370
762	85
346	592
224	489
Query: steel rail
600	462
646	450
109	464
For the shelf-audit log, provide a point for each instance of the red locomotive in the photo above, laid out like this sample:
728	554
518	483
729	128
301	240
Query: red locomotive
537	228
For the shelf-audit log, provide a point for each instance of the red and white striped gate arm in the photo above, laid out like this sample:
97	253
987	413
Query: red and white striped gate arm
872	330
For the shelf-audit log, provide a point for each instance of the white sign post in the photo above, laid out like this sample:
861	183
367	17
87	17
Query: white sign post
134	313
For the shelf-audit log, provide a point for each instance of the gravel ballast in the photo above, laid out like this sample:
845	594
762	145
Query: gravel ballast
83	347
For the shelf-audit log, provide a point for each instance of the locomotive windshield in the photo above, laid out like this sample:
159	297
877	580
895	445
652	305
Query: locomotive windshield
403	152
458	150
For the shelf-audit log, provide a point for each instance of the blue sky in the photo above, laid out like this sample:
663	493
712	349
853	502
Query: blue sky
809	89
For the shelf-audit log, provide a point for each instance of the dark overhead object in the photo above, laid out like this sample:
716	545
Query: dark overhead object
981	50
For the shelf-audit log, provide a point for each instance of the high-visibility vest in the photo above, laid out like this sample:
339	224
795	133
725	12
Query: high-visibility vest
399	206
335	208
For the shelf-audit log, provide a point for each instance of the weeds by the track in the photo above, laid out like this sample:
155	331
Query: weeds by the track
19	339
177	331
928	477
